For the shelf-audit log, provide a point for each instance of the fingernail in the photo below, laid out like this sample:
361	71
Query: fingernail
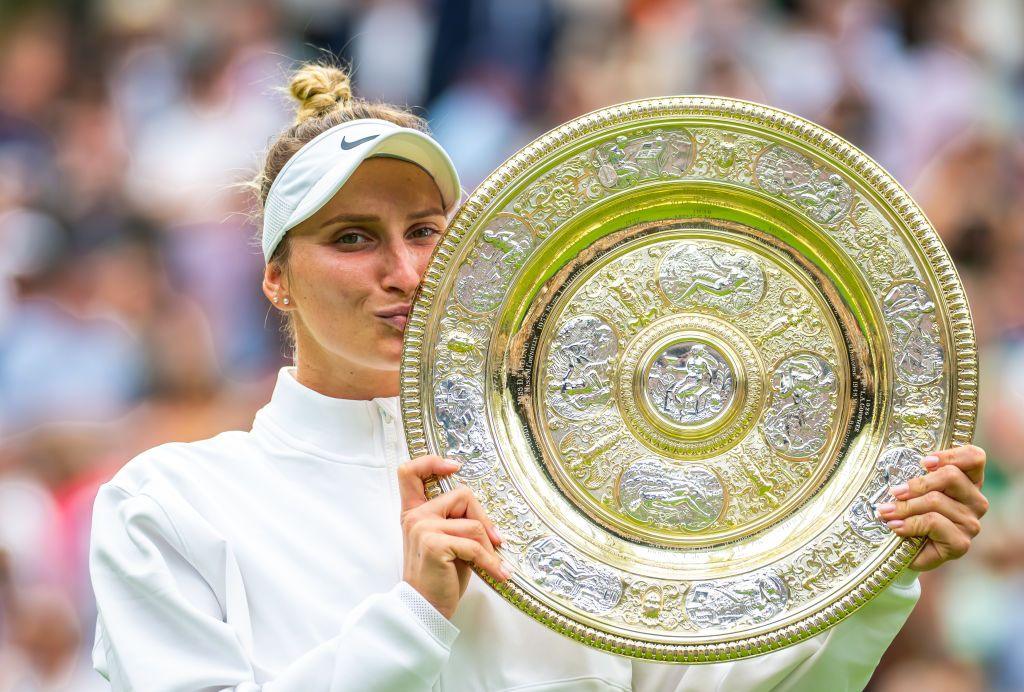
885	507
900	490
894	524
506	569
456	464
497	534
930	462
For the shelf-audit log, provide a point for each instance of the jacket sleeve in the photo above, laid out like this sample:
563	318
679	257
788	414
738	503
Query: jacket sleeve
165	625
840	660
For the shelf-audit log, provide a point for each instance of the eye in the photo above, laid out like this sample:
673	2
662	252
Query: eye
350	237
424	232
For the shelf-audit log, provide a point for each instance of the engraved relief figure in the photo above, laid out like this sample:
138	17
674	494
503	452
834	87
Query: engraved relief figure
916	348
624	292
593	450
613	168
650	157
579	367
800	315
725	155
462	341
819	190
728	279
555	566
797	420
690	382
653	604
624	162
680	152
864	521
458	408
917	415
550	201
896	465
881	252
749	601
655	493
483	278
825	564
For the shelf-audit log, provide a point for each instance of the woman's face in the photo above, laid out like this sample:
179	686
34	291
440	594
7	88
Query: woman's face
352	271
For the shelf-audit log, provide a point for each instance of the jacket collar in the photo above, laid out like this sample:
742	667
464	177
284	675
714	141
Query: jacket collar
343	428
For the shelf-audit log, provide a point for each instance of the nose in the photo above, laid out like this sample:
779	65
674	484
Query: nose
401	268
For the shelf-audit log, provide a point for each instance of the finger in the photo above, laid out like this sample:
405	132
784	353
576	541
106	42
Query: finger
464	528
949	540
949	480
449	548
413	473
460	503
934	501
969	459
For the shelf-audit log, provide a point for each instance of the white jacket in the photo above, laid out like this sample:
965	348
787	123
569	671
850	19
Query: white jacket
272	560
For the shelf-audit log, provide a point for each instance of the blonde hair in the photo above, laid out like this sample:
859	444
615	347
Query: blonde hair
323	93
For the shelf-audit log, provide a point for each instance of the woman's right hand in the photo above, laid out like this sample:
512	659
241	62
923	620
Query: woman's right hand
444	536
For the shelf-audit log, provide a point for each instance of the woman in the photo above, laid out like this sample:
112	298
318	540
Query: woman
303	554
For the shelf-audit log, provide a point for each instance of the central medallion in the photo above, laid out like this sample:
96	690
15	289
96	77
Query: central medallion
690	386
689	382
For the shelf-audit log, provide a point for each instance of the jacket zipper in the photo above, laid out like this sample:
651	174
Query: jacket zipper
391	463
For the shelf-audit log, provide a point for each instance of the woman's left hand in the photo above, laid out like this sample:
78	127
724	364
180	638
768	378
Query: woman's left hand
945	504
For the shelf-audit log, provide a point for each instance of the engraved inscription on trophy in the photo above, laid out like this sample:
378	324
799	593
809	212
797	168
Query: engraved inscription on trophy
690	383
687	497
579	367
750	600
797	421
459	409
917	350
711	275
555	566
819	190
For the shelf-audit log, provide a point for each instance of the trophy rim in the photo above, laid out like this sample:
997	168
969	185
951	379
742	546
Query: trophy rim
961	415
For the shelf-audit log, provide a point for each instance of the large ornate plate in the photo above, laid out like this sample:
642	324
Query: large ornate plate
682	346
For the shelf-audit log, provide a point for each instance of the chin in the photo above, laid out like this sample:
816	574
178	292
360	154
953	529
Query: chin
390	354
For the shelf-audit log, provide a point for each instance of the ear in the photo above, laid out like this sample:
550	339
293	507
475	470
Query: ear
274	285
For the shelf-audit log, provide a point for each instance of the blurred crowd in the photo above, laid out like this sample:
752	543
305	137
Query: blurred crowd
130	305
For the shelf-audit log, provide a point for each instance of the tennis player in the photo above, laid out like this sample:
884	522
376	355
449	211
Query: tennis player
303	555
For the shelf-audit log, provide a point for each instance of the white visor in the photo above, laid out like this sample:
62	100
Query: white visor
320	168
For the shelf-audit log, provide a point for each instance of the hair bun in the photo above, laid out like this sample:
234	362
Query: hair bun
319	89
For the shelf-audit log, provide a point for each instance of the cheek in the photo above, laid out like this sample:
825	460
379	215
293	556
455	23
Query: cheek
329	278
423	256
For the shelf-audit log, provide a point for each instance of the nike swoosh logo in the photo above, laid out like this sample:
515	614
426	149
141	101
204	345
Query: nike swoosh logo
352	145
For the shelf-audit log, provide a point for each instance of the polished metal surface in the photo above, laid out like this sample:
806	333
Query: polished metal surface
683	347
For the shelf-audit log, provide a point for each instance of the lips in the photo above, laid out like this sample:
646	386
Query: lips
397	321
397	316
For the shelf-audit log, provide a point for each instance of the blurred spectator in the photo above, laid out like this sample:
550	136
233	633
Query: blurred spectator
130	304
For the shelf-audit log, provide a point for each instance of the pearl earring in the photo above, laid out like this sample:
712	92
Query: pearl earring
286	301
